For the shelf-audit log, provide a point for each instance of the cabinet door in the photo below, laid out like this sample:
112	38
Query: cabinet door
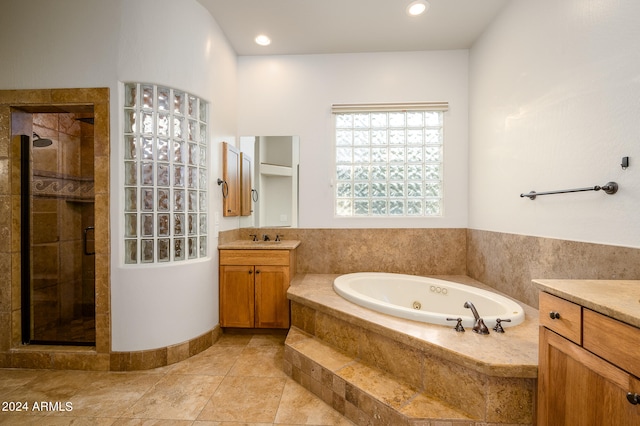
236	296
231	178
272	305
576	387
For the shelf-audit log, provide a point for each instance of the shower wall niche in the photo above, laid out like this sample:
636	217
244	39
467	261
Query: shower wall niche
62	293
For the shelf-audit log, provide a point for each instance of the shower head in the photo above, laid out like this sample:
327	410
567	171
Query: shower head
88	120
38	142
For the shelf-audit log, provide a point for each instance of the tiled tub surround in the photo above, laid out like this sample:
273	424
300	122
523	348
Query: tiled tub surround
505	262
378	369
509	262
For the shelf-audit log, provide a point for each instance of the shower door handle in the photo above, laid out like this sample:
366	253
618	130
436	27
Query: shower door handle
86	230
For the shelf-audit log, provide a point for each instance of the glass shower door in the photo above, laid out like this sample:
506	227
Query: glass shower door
59	212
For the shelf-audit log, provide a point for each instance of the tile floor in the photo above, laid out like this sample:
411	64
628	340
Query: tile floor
237	381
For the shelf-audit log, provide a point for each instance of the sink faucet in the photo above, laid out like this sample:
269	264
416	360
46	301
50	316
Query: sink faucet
254	237
265	237
479	327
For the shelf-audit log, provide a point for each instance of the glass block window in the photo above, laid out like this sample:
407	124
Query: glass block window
165	175
389	163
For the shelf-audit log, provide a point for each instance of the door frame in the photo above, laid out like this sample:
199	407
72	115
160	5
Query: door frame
12	103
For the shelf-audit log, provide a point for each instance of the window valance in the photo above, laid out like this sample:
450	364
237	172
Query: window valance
390	107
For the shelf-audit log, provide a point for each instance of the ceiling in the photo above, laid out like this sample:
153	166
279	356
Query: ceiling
350	26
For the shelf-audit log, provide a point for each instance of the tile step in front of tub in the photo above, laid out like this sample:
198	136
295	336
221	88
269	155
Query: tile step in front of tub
363	394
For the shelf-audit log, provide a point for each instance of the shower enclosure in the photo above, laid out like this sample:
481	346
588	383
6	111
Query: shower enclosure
57	235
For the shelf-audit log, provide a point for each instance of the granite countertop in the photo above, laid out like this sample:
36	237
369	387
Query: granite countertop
259	245
619	299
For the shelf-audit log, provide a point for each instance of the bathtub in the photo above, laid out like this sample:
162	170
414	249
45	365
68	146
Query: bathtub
426	299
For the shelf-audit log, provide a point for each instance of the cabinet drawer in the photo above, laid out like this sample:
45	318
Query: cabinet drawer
612	340
569	317
254	257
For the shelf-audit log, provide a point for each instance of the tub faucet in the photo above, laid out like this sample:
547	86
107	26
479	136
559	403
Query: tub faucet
479	327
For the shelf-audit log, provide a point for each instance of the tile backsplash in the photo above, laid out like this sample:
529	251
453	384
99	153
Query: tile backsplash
418	251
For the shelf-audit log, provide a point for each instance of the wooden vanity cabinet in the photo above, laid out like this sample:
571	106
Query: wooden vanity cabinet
588	367
253	288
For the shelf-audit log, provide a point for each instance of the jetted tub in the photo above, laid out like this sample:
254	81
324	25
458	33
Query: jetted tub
426	299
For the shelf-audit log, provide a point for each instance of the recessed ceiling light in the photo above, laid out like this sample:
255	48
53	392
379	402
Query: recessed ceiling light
263	40
417	7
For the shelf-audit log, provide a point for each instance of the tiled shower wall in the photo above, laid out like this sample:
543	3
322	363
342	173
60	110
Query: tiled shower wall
506	262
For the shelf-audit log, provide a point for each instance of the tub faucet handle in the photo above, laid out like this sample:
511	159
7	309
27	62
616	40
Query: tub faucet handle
498	328
458	327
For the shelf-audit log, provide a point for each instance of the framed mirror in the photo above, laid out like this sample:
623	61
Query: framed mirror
246	184
275	176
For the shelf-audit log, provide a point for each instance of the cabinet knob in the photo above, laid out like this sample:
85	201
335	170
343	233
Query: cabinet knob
633	398
257	272
250	272
554	315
